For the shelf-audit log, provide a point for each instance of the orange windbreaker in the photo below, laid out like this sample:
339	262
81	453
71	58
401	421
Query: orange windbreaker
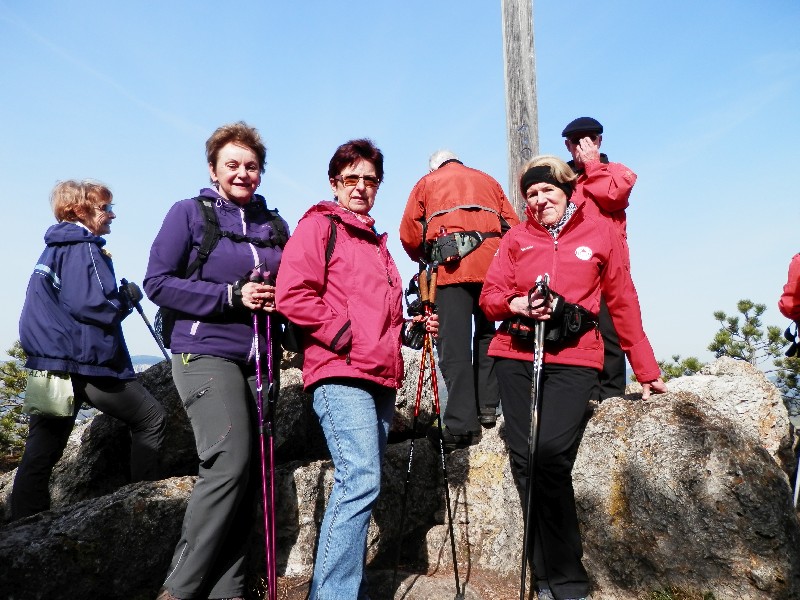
449	186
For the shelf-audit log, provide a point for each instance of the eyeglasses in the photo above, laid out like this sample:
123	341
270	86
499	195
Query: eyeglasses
577	139
106	208
370	181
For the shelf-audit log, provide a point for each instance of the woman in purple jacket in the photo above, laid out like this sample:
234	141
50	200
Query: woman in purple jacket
213	353
72	322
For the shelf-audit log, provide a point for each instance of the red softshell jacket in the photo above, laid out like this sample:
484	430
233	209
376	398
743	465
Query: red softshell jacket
608	186
789	303
449	186
587	259
350	308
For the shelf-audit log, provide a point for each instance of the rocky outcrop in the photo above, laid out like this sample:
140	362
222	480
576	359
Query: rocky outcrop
685	491
741	392
673	494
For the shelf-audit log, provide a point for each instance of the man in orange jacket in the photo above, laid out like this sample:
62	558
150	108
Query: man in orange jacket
454	218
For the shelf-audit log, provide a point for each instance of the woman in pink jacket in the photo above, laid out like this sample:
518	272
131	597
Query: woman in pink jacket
583	257
347	302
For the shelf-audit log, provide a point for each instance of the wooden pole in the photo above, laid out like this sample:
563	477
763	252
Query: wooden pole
522	118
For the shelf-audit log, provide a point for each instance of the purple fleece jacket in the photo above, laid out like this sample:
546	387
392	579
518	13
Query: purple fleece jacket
207	323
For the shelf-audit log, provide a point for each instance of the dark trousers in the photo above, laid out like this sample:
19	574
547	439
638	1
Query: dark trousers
467	368
556	542
127	401
219	397
612	377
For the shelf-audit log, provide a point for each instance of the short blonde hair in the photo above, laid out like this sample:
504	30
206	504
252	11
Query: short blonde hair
559	170
70	199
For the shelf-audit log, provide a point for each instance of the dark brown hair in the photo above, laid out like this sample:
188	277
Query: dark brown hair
350	153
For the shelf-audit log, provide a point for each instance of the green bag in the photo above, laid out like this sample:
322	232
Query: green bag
49	394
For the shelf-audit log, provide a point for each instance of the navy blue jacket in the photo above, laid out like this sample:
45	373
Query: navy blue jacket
72	317
207	322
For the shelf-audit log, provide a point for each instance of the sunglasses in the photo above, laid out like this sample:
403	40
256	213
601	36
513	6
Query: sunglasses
370	181
106	208
577	139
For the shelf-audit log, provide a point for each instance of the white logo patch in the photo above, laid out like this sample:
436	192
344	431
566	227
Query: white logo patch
526	248
583	252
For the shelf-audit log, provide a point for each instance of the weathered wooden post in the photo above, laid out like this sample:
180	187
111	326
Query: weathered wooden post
522	118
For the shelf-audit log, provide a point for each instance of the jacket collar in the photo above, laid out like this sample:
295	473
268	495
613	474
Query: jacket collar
346	217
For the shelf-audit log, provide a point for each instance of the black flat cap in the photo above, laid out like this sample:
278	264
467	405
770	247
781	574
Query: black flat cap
582	125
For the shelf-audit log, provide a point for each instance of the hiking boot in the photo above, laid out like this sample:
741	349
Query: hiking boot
453	441
545	594
488	417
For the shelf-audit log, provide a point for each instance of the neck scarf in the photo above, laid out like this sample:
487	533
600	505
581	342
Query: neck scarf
556	228
366	219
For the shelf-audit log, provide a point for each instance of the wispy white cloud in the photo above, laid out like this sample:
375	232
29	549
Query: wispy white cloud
175	121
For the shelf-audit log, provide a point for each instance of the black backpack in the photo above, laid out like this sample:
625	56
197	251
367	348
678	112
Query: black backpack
165	317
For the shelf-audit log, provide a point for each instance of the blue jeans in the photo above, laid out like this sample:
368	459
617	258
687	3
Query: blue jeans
355	418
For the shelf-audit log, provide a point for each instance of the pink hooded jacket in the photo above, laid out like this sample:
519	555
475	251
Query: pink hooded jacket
349	309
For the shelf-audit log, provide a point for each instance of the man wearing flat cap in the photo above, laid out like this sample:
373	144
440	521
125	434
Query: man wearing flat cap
609	190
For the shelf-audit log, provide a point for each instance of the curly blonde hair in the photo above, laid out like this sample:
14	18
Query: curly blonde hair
71	200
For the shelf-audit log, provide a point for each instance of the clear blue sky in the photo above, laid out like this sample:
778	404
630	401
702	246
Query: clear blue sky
701	99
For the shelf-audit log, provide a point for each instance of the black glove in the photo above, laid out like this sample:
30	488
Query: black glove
131	291
236	293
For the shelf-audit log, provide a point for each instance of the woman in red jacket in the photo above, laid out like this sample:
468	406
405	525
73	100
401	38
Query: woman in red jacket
348	304
583	257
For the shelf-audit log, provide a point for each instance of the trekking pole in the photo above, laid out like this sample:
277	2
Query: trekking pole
264	429
797	478
138	307
428	349
417	402
269	424
533	435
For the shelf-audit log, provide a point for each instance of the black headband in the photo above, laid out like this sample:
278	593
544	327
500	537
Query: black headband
542	175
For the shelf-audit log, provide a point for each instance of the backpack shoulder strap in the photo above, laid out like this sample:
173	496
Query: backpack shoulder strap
211	234
331	238
278	237
280	232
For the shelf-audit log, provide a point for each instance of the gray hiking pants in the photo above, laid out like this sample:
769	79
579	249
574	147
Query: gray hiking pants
219	397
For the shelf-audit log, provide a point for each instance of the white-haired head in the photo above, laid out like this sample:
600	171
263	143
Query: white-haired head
439	157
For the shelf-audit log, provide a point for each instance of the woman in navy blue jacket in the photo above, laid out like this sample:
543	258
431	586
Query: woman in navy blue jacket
72	322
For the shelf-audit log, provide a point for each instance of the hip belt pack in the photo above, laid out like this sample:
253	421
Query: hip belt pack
567	322
454	246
